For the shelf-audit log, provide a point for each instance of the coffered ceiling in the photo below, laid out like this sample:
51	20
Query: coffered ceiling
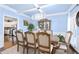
31	9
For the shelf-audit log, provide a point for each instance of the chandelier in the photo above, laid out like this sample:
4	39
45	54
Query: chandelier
39	15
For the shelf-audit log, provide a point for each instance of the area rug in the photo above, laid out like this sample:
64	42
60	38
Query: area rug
13	50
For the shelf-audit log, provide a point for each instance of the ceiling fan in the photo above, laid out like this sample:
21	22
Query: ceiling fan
38	8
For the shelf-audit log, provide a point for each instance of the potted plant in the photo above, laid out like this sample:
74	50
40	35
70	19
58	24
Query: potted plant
61	37
30	27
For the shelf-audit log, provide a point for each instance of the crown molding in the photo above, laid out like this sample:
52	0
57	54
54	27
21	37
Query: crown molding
72	7
23	15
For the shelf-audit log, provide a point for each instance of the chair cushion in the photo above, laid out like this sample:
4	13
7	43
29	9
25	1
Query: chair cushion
44	49
22	43
33	45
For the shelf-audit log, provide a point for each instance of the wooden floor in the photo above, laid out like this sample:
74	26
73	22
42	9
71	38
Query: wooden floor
7	42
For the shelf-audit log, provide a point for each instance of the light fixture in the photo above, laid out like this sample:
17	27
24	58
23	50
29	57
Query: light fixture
39	15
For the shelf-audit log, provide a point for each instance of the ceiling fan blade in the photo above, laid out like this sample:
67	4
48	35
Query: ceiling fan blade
38	8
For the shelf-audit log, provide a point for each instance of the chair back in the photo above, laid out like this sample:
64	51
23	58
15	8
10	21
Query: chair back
43	39
19	36
68	37
30	36
49	31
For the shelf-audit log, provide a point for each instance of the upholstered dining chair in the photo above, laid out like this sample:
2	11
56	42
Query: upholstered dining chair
20	40
66	46
31	41
44	44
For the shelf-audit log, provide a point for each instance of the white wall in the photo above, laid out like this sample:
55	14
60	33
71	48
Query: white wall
73	27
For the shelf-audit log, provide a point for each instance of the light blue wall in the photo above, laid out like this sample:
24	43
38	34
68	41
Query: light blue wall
1	28
6	12
59	23
21	24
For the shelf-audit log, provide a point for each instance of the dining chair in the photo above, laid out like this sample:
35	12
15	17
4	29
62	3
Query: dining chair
31	41
20	41
49	31
55	43
66	45
44	43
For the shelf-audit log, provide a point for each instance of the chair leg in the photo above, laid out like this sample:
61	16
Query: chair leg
38	51
23	49
67	50
17	47
35	50
27	50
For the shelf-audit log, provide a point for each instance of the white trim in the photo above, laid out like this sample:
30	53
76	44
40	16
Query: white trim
47	5
68	22
3	31
23	15
10	16
60	13
71	7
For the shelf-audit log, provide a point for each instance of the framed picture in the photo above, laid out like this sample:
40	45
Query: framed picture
25	23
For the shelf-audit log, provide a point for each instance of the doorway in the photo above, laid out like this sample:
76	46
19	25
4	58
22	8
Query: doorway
10	26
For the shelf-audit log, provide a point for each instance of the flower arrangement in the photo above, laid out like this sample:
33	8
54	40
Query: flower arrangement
61	37
31	27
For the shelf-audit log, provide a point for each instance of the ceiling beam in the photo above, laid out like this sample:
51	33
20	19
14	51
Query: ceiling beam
23	11
47	5
60	13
